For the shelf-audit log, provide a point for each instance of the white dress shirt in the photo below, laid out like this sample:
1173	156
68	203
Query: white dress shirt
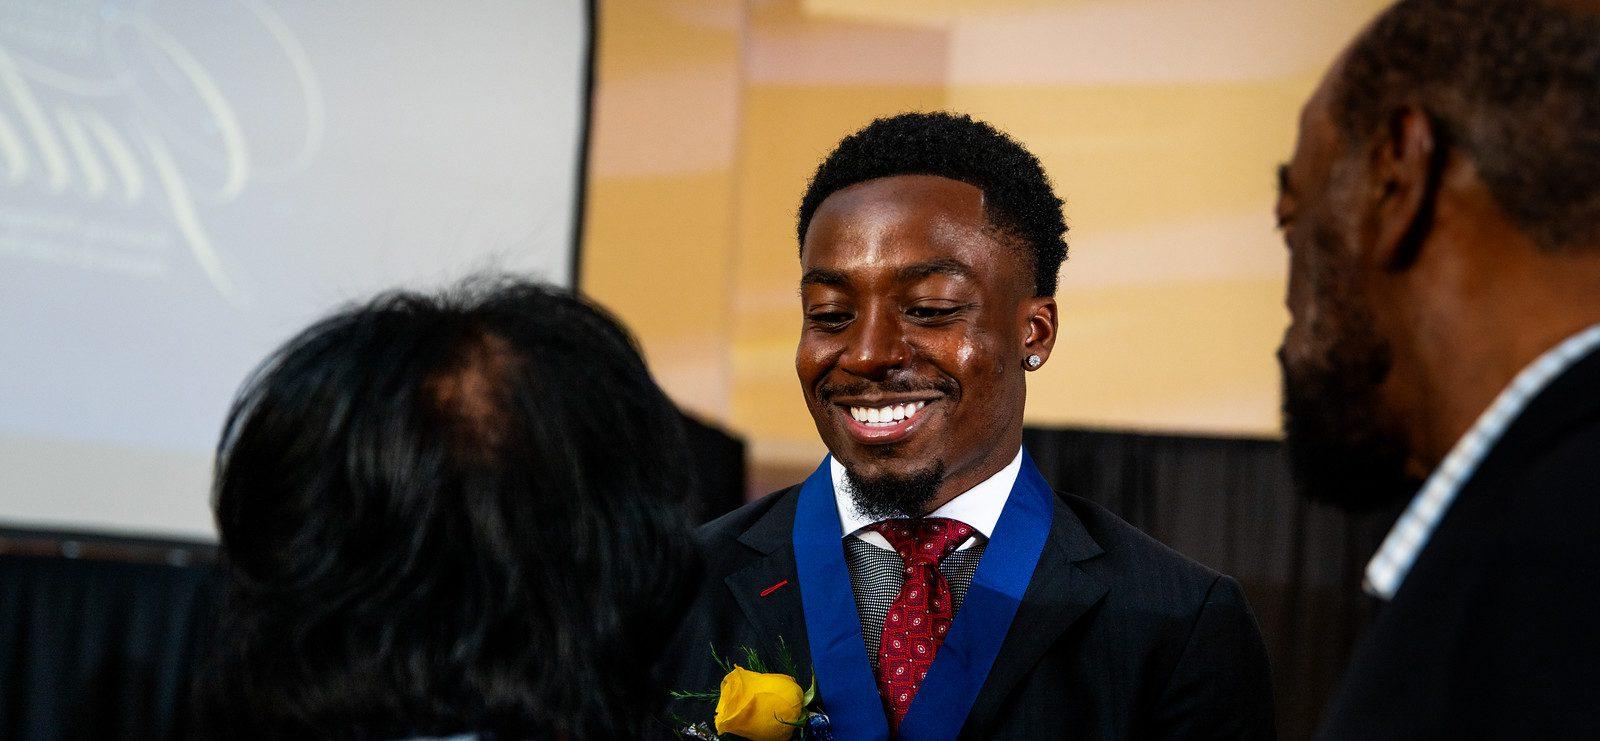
978	507
1388	569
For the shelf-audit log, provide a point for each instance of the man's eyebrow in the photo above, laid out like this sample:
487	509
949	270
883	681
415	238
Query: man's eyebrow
822	277
1284	188
945	266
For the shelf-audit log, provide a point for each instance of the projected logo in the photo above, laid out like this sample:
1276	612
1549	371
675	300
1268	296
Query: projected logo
129	130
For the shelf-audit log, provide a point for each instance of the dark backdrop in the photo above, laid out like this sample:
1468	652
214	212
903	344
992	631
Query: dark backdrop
1229	504
101	644
95	649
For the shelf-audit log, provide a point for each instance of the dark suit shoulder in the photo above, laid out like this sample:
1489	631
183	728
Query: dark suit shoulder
730	526
1492	627
1143	562
1526	538
1569	465
732	540
1520	528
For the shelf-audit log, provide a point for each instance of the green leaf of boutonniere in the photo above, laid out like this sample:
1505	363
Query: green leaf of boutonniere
723	664
786	661
752	660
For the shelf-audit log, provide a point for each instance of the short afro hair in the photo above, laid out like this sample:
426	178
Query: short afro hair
1017	194
1514	84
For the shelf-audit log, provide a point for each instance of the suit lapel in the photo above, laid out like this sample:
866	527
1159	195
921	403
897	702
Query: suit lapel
1063	588
767	589
1061	591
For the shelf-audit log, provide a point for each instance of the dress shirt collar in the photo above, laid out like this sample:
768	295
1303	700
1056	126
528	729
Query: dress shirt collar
1394	559
979	506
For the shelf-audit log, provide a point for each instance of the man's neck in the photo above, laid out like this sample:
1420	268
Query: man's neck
1472	343
961	482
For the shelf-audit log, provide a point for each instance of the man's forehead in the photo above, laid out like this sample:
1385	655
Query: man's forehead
890	223
907	257
1317	113
907	228
1316	138
903	189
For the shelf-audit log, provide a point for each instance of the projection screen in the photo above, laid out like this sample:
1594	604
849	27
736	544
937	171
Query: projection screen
183	185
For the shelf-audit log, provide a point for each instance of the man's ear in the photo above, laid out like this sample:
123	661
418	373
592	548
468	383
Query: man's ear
1040	336
1407	163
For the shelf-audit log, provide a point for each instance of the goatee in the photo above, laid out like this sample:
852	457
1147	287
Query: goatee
894	495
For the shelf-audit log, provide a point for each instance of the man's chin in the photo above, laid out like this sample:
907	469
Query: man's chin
880	492
1339	456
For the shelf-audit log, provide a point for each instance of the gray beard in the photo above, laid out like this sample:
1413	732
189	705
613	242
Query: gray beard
884	497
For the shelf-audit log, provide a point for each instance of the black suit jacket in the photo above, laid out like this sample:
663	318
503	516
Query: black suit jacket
1117	636
1495	632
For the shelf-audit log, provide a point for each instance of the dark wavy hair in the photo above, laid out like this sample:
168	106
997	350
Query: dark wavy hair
1515	84
1017	194
446	514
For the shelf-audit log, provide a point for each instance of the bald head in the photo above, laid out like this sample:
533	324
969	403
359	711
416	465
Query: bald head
1512	84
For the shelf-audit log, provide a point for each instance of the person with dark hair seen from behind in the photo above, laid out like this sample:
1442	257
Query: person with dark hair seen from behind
1442	213
461	514
935	584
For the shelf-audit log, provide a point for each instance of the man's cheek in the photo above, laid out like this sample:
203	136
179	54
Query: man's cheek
1299	346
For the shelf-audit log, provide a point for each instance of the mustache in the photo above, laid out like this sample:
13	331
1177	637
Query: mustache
827	391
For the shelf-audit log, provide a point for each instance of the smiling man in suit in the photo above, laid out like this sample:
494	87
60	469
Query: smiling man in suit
936	583
1442	213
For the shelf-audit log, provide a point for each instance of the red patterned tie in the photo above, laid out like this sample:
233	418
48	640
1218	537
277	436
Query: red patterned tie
920	615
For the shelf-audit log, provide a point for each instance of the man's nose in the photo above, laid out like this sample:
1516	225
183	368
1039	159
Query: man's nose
877	345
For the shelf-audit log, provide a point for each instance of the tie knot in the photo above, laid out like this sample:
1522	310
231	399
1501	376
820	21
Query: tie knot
924	541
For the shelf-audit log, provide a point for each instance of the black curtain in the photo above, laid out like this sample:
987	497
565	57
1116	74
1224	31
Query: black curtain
719	469
1229	504
99	649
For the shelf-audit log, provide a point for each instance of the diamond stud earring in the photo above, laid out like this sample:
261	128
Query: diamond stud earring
1033	362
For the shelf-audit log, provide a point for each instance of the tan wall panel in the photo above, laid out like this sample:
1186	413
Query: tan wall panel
659	215
664	272
1178	356
1138	153
642	37
1160	122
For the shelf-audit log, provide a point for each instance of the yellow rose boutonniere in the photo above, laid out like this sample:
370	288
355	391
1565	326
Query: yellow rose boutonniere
759	707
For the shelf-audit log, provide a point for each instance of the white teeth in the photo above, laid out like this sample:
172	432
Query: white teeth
886	415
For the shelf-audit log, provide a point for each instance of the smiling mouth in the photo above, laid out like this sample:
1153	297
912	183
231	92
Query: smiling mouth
886	416
883	424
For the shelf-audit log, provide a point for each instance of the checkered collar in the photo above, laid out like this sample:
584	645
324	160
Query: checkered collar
1394	559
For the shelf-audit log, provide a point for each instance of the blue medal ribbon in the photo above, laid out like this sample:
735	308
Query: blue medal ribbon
833	628
838	653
